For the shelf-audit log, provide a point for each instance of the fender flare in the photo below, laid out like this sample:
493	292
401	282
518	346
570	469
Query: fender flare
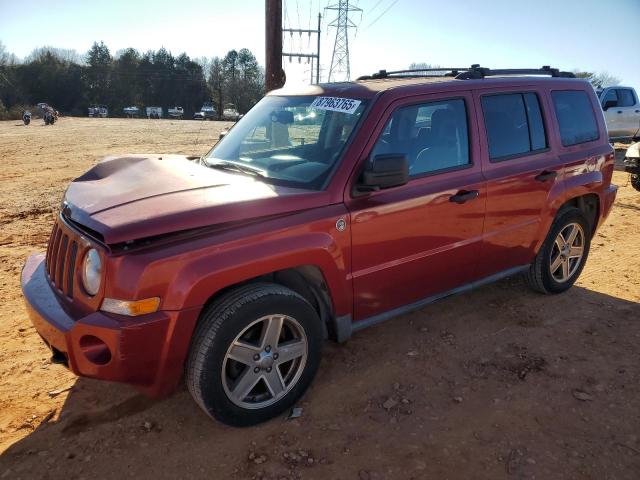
208	275
569	189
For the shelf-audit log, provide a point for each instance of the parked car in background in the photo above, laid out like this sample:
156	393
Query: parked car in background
632	164
98	111
154	112
400	190
231	114
621	112
208	111
131	112
176	112
199	116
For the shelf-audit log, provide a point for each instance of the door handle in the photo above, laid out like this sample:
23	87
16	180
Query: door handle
464	196
546	175
637	111
619	111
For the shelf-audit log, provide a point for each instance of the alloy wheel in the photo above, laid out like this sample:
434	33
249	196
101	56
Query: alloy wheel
264	362
567	252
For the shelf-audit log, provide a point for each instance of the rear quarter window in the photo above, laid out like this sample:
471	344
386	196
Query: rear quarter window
575	116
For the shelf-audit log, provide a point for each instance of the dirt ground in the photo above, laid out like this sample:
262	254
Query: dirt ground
497	383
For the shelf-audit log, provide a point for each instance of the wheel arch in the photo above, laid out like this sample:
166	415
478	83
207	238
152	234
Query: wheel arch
588	203
306	280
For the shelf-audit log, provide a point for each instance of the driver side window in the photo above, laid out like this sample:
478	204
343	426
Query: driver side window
433	136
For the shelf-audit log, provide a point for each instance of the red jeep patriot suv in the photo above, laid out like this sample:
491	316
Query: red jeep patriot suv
324	210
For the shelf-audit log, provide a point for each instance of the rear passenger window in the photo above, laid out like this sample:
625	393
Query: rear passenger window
433	136
575	117
514	124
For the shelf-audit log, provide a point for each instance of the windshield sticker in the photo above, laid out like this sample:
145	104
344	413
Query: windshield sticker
345	105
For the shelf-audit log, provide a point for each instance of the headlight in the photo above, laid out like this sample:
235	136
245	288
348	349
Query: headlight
92	271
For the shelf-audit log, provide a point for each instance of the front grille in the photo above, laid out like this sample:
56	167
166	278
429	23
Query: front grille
61	260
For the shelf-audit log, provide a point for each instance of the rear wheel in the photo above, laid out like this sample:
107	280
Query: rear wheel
563	253
254	354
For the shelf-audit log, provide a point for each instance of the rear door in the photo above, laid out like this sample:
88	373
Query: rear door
521	170
422	238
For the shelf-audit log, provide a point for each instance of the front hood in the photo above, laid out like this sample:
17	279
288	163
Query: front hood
138	196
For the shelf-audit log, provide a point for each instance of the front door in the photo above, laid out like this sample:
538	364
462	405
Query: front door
423	238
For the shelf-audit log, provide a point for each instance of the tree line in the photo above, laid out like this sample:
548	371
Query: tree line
71	82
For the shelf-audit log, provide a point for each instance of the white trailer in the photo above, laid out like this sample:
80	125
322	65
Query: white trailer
154	112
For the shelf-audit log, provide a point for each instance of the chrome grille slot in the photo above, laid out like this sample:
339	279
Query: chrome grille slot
62	257
47	263
71	267
53	260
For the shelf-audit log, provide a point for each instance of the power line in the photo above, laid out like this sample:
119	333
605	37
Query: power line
310	57
382	14
374	7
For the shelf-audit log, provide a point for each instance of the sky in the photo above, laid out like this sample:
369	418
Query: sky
588	35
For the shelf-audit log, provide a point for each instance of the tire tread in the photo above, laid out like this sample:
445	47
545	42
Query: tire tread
535	275
214	316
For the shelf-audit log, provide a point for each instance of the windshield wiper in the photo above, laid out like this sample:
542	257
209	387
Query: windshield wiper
236	167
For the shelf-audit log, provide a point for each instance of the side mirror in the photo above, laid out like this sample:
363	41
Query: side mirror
608	104
385	171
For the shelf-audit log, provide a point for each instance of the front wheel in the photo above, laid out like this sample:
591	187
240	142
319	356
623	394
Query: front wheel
635	181
563	254
254	354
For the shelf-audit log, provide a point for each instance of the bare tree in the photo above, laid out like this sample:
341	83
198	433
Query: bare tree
6	58
216	81
598	79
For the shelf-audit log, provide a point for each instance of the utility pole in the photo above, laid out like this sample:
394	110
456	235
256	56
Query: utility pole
274	74
310	56
342	23
318	50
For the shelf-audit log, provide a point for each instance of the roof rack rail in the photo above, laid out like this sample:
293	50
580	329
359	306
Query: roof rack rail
415	72
476	71
473	72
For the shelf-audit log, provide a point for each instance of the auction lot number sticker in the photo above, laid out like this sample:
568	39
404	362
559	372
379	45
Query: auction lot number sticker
345	105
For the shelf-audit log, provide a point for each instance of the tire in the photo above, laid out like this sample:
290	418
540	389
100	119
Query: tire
214	379
635	181
540	276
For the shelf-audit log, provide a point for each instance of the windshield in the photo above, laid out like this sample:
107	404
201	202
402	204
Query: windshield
290	141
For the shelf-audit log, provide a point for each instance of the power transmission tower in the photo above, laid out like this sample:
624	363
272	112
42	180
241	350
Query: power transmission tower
342	24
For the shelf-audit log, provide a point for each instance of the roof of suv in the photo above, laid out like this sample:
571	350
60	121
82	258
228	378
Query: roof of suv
368	87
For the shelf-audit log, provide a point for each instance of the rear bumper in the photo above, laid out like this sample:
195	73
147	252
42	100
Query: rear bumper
147	351
608	197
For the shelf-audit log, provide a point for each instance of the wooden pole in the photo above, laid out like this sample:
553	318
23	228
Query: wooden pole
274	74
